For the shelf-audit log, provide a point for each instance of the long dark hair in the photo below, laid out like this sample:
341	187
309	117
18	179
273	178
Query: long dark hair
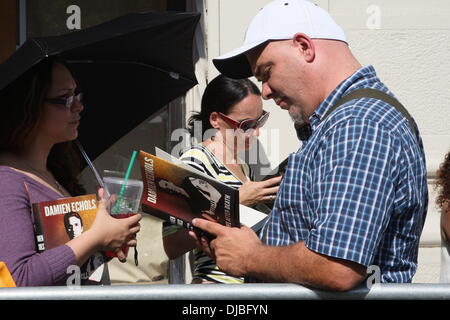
220	95
20	109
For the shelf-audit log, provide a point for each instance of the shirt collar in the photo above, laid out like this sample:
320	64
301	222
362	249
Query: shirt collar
365	74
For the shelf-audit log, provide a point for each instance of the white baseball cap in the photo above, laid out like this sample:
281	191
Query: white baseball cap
279	20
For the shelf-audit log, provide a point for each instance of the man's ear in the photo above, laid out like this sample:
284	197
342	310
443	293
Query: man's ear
214	120
305	45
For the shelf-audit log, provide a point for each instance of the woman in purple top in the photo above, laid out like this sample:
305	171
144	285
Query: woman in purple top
39	117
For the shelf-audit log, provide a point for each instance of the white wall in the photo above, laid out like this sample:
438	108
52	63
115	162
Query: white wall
407	41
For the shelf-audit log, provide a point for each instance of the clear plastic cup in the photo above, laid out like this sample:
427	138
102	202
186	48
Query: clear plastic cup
130	199
127	204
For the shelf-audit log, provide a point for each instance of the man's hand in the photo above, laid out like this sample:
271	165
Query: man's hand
232	248
239	252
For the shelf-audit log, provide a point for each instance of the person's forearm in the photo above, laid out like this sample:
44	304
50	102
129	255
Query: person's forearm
297	264
278	264
84	246
239	252
178	243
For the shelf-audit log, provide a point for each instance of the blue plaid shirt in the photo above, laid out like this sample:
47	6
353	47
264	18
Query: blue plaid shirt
357	188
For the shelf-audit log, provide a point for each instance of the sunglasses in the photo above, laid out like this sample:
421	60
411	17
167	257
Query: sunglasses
68	102
246	124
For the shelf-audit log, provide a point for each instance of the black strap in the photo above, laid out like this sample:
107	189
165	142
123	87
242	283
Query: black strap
375	94
136	261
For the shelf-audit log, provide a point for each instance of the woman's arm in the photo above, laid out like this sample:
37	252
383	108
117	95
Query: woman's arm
106	234
18	246
250	193
17	241
177	243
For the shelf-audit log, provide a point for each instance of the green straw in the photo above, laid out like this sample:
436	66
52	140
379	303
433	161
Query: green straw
124	185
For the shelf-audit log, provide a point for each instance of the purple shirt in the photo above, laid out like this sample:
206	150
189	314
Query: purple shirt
17	240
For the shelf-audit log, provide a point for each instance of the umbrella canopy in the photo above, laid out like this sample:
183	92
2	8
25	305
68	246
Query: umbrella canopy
127	68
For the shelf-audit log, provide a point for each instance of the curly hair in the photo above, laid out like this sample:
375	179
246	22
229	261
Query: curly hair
443	182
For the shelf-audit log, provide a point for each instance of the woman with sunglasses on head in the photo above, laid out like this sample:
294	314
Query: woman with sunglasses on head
231	115
39	117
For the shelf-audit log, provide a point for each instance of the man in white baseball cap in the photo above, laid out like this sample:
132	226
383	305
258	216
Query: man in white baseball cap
279	20
355	194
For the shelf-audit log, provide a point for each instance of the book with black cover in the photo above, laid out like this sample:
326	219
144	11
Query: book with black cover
178	193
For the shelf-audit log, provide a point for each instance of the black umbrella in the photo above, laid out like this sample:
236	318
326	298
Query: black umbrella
127	68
